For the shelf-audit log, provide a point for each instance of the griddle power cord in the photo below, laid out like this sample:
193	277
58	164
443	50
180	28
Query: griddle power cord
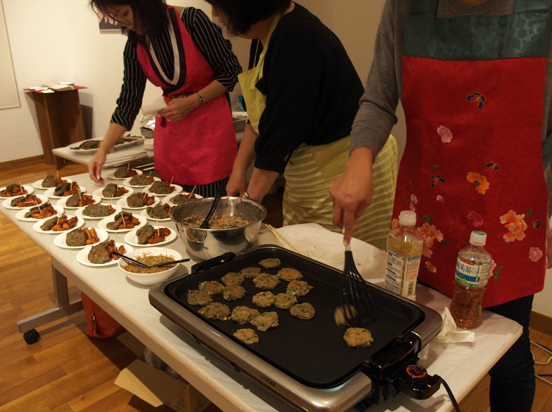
451	396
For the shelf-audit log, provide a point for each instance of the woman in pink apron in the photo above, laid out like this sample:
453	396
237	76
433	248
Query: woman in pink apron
472	78
181	51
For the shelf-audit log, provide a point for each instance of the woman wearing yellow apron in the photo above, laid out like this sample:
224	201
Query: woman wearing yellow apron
301	98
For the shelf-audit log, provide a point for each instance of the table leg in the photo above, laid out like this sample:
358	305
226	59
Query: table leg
63	307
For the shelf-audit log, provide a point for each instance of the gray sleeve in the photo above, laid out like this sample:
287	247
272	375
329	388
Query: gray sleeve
376	115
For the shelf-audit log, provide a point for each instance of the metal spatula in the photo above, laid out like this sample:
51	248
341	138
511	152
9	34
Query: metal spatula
357	304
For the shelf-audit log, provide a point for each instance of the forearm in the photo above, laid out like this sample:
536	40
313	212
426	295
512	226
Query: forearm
260	183
246	153
114	133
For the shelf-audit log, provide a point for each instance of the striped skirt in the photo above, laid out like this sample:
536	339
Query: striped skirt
311	171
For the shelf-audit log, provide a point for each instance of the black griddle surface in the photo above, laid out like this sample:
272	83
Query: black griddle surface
311	351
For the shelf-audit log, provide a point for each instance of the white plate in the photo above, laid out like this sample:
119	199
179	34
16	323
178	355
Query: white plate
126	182
79	213
123	203
82	256
98	192
103	224
50	192
7	202
132	239
63	202
111	174
61	239
28	188
38	183
21	214
167	199
145	214
36	226
177	189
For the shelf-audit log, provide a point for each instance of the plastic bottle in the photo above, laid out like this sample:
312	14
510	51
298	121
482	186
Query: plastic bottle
473	268
404	252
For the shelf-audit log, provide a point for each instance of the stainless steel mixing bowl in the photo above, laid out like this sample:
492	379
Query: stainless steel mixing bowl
203	244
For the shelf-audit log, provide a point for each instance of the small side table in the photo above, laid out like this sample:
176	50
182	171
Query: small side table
59	120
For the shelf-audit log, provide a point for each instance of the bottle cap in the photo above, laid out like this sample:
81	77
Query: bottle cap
407	218
478	238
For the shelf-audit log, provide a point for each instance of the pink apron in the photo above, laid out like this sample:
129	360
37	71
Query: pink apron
200	148
473	102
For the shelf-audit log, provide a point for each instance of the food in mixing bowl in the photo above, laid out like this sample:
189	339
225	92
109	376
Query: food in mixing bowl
289	274
264	299
161	187
41	212
124	171
123	221
79	199
358	338
266	281
150	259
216	222
251	272
233	293
247	336
243	314
87	145
215	310
13	190
303	311
299	287
103	252
233	279
26	201
141	180
265	321
97	210
159	211
66	189
198	297
82	237
270	263
285	300
212	287
140	199
182	198
112	190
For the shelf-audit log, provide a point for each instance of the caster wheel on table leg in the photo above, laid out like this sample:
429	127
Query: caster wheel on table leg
31	336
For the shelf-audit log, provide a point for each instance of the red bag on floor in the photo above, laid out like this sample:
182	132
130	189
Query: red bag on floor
100	324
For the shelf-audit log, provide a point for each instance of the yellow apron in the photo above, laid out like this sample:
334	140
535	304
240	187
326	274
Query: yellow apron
311	171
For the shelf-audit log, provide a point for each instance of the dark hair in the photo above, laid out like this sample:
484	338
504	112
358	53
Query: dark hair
151	15
242	14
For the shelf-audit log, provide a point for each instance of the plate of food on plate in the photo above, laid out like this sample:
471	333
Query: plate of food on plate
78	200
160	212
140	181
80	237
15	189
137	201
21	202
162	188
57	224
113	191
50	181
176	199
149	235
101	254
39	212
122	222
123	172
97	211
64	190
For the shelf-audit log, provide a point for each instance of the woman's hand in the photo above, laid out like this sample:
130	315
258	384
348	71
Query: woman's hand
352	191
237	184
180	107
95	166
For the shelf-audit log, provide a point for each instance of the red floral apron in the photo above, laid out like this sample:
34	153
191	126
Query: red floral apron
200	148
473	160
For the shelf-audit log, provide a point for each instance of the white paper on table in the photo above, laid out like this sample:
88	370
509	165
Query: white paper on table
154	106
450	333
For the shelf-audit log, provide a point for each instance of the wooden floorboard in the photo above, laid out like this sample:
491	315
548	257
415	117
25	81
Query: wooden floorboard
67	371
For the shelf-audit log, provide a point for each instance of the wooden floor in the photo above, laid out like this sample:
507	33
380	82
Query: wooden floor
66	371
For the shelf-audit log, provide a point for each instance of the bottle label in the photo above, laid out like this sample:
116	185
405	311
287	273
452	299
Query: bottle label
402	273
474	274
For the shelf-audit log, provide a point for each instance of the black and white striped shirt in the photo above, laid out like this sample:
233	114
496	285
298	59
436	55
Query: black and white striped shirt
208	38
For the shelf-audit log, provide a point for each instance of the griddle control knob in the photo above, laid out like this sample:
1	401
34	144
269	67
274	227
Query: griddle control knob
417	383
416	374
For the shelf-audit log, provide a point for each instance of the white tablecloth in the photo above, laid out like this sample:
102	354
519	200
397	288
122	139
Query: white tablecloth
462	366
